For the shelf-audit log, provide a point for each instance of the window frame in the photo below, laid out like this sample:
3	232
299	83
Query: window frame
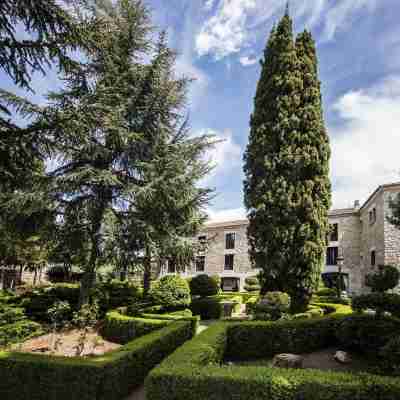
233	240
204	263
329	256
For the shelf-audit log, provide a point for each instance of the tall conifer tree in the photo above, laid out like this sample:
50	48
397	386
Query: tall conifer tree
287	192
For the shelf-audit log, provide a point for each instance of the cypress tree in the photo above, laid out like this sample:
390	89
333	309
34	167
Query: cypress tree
286	167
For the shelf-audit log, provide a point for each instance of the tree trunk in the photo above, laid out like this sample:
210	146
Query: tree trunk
147	272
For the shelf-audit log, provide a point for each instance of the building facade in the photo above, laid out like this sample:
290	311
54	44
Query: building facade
362	235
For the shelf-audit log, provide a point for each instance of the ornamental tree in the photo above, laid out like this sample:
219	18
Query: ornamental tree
287	188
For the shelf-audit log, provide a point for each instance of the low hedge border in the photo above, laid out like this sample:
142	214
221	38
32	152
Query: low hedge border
109	377
121	328
194	372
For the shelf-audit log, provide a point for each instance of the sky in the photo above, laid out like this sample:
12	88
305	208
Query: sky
220	43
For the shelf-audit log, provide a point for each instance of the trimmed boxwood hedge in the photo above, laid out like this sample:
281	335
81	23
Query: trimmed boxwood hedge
108	377
381	302
194	371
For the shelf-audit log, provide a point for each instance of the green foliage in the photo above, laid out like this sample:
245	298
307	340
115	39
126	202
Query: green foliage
390	356
59	312
112	376
380	302
366	333
327	292
122	329
287	188
194	371
171	292
272	306
386	278
204	285
19	331
207	308
252	284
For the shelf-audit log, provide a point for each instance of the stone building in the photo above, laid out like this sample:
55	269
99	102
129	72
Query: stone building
362	235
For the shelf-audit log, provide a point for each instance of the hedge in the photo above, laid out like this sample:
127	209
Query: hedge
120	328
194	372
380	302
213	307
108	377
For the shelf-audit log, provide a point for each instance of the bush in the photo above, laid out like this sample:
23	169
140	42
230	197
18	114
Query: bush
171	292
111	376
252	284
207	308
329	292
19	331
122	329
365	333
273	304
204	285
390	354
385	279
380	302
194	371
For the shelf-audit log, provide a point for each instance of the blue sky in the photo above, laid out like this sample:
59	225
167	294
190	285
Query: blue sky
358	43
220	43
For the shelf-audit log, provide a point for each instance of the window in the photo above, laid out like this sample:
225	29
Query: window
228	262
200	263
230	241
372	216
373	257
334	232
171	267
331	255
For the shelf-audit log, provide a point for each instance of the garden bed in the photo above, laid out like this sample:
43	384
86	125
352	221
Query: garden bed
66	344
196	371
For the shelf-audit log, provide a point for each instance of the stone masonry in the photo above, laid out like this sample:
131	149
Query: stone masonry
365	239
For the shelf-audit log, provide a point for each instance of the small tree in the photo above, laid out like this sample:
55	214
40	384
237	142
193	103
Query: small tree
57	314
386	278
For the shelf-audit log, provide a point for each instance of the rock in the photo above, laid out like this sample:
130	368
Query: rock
287	361
342	357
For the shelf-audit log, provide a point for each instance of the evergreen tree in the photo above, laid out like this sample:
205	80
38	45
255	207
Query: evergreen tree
287	192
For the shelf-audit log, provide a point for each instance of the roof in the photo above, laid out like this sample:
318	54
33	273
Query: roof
393	185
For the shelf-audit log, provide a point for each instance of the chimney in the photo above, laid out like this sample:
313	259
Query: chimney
357	204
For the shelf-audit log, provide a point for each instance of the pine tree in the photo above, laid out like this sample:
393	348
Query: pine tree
286	166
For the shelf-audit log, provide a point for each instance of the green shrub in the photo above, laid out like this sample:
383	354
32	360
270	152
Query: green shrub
171	292
365	333
390	354
329	292
194	371
252	284
273	304
386	278
122	329
204	285
207	308
19	331
111	376
380	302
9	314
251	305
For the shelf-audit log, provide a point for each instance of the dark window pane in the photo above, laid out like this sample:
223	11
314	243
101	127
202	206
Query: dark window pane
230	241
331	255
200	263
171	267
228	262
334	233
373	257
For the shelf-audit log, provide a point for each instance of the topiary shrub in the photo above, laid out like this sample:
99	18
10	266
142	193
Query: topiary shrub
390	354
204	285
329	292
252	284
207	308
272	304
171	292
380	302
386	278
365	333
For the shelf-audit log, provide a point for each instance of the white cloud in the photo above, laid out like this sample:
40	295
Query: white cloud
365	151
247	61
225	32
235	24
209	5
227	154
226	215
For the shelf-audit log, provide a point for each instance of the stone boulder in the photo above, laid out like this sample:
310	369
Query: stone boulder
342	357
287	361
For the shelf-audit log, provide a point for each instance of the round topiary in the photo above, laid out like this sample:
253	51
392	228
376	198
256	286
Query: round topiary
366	333
273	303
171	292
386	278
252	284
204	285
